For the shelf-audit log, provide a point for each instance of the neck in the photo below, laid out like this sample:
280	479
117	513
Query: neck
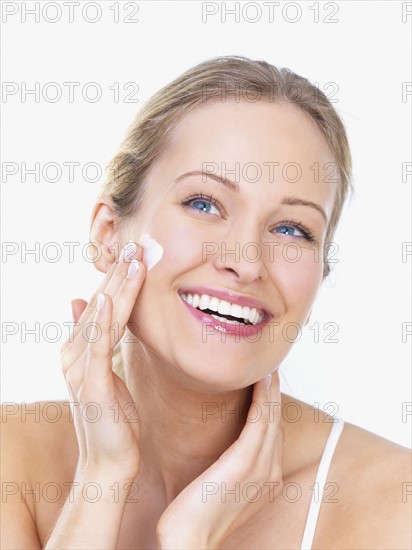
183	432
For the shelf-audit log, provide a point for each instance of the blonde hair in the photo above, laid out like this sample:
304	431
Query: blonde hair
214	80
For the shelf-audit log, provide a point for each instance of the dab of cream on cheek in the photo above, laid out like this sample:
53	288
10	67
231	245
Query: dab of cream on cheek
152	251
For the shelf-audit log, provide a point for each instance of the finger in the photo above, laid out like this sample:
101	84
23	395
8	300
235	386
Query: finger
76	418
273	443
129	409
130	251
98	378
126	297
123	303
258	441
110	286
78	306
248	446
257	421
90	309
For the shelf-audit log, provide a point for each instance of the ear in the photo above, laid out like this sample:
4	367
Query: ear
104	236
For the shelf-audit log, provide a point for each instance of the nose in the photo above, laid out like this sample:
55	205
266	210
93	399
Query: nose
242	258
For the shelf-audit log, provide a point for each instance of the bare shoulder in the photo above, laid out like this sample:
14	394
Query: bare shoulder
38	433
38	445
373	493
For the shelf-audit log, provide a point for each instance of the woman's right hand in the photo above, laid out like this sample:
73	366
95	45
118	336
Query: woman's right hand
105	416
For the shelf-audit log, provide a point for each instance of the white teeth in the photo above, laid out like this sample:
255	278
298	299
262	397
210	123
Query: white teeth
224	307
204	302
245	312
250	315
214	303
224	320
236	311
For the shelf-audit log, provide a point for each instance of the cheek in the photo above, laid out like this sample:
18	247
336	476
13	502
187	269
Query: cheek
184	238
181	248
182	251
298	275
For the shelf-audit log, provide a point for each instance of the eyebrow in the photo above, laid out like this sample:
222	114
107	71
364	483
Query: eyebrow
220	179
286	201
295	201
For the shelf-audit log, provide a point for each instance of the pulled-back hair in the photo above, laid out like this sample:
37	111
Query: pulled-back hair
215	80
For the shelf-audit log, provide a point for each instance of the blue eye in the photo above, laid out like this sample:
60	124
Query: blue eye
294	229
289	230
202	203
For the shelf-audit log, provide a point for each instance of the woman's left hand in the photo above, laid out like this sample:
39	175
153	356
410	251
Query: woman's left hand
246	477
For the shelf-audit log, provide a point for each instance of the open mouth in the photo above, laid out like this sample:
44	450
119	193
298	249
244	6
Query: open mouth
224	311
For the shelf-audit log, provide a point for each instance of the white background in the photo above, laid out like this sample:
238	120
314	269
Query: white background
366	54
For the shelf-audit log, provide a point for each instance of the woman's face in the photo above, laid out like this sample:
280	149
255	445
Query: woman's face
257	239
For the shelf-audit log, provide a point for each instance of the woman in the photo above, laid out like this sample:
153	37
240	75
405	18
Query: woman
230	183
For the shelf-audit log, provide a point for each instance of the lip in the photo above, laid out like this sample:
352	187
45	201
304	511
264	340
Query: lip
228	328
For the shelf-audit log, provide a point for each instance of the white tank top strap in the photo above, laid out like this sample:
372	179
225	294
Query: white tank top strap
321	476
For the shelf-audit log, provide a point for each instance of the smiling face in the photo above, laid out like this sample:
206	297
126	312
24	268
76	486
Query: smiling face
254	241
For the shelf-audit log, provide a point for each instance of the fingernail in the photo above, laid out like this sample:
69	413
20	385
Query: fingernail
130	250
101	300
133	267
268	381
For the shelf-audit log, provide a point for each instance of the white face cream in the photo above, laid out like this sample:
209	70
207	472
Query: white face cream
153	251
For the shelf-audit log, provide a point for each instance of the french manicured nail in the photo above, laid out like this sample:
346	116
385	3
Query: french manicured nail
268	381
133	268
101	300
